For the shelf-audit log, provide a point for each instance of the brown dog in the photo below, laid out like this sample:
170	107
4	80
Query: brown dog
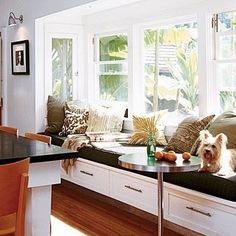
216	158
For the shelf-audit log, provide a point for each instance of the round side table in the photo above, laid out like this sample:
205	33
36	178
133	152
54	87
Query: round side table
140	161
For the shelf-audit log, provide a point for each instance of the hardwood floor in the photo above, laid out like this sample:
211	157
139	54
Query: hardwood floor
93	215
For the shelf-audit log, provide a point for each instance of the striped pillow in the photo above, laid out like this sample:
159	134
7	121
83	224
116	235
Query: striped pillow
187	133
105	119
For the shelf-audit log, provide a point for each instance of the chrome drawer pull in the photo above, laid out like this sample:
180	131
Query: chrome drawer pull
198	211
86	173
137	190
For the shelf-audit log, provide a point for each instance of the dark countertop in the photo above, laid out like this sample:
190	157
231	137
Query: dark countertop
13	148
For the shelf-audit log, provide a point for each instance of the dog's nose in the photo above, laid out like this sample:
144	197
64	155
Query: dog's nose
207	150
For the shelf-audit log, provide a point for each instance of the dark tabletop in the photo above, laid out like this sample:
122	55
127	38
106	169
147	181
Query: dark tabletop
13	148
140	161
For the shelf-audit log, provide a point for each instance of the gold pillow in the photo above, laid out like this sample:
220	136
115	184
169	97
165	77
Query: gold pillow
148	124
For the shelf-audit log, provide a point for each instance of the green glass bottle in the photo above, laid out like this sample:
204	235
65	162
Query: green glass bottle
151	145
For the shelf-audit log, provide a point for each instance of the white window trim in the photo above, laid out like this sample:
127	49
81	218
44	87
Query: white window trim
136	94
218	61
69	32
97	62
142	28
206	72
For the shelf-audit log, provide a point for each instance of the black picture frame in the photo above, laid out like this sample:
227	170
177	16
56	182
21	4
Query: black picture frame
20	57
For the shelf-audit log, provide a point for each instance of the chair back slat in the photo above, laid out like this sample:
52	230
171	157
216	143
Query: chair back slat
10	130
13	180
40	137
13	194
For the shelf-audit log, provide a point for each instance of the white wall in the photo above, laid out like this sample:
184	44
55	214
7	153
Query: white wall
19	102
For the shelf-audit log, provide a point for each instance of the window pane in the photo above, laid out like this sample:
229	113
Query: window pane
226	76
227	100
173	85
226	73
113	48
226	60
62	68
227	21
113	68
113	87
227	47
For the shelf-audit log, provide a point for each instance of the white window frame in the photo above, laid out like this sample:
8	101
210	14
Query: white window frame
160	24
65	32
206	72
218	61
134	33
97	62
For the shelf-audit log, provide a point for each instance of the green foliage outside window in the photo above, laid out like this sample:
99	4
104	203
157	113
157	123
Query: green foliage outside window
171	80
62	68
113	74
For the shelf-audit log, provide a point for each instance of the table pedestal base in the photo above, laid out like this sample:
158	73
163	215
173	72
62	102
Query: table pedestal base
160	202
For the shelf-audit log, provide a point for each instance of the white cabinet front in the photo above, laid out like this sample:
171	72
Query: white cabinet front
199	215
92	177
133	191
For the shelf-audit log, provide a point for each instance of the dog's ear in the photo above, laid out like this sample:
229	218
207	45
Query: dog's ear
222	138
204	134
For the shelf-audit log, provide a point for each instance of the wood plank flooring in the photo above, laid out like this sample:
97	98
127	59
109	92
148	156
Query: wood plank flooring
93	215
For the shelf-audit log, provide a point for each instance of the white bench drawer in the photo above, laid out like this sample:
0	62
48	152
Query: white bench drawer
91	177
198	215
133	191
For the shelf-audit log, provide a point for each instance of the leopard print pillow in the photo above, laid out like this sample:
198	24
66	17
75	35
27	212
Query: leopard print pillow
75	123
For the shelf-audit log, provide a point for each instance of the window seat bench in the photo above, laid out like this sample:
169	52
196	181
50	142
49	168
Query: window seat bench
202	202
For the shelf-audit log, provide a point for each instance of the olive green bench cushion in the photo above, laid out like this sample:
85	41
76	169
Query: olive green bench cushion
203	182
206	183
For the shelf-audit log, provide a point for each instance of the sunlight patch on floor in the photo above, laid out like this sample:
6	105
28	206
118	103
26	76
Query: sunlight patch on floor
60	228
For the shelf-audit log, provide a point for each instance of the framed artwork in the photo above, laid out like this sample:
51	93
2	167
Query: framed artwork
20	57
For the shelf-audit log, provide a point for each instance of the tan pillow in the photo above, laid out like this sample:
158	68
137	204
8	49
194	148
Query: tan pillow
77	104
187	133
73	108
225	123
55	115
108	119
148	124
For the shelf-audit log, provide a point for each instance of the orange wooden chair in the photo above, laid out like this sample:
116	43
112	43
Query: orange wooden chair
13	192
40	137
9	130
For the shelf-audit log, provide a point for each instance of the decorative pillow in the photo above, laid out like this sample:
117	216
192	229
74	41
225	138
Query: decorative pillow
187	133
81	104
73	108
143	126
195	147
225	123
74	123
108	119
55	115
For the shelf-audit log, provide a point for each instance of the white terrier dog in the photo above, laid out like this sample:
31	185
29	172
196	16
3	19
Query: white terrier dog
216	158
